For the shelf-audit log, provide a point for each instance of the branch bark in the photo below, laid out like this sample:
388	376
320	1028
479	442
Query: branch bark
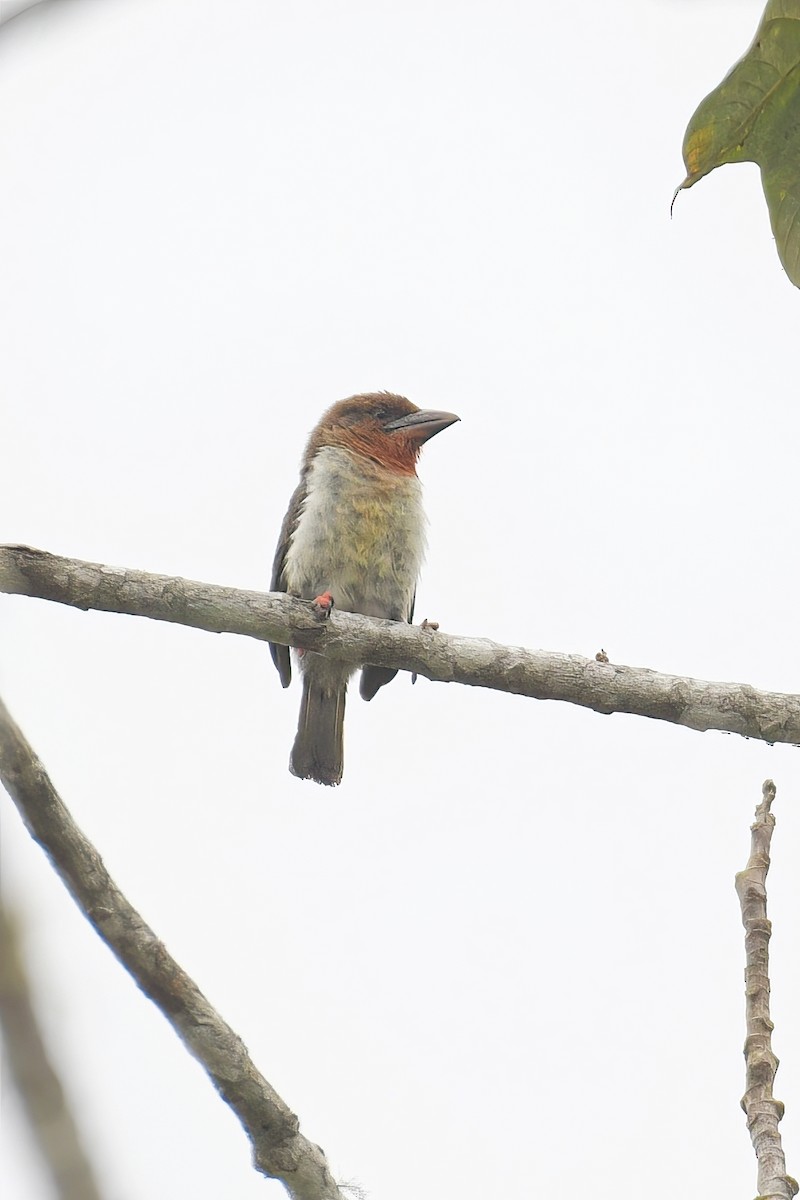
762	1110
542	675
279	1149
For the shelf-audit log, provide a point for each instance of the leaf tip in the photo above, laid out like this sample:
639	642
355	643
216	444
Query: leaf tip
686	183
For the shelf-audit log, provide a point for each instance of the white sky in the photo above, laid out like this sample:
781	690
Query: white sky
504	958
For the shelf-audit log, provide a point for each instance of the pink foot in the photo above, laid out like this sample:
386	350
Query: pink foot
323	605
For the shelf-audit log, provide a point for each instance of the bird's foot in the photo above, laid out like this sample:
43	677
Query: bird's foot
323	605
426	624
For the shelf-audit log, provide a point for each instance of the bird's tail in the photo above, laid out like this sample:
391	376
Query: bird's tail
318	751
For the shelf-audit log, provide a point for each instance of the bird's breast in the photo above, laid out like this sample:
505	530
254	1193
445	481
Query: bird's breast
360	535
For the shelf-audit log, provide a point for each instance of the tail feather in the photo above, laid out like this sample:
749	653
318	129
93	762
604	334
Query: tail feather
318	751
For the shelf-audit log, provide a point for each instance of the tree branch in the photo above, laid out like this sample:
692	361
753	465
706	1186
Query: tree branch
52	1124
542	675
279	1150
14	8
763	1111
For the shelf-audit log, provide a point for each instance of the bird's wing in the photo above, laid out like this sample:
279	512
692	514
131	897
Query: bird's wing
280	654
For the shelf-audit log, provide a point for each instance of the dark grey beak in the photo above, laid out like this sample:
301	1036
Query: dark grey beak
423	424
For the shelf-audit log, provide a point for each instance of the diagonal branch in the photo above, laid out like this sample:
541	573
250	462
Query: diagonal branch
279	1150
763	1111
14	8
41	1094
542	675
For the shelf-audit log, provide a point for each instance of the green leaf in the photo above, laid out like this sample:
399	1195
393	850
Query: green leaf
754	116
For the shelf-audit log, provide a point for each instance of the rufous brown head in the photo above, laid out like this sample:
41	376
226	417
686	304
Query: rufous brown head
388	429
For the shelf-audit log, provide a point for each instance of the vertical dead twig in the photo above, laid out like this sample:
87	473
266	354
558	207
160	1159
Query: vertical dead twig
762	1110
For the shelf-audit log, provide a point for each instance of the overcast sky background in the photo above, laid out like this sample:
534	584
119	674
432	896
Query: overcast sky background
505	957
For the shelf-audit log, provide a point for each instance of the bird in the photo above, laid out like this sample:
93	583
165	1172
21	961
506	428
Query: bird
353	538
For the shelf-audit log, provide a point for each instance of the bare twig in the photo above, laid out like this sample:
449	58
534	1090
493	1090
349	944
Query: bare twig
763	1111
279	1150
14	8
604	687
52	1125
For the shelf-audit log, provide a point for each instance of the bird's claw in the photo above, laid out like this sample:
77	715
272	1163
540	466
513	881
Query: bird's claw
322	605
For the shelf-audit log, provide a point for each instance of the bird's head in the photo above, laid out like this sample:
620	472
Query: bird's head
388	429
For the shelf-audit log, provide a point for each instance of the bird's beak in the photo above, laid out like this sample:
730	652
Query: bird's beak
421	425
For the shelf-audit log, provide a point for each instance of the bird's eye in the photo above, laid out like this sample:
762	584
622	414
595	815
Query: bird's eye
382	414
